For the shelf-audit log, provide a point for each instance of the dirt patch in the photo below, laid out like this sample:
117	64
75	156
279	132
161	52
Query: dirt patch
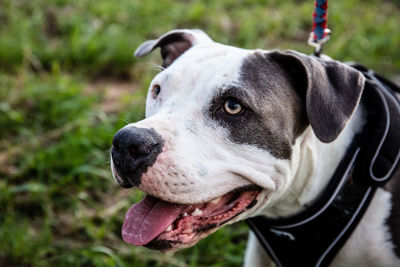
114	92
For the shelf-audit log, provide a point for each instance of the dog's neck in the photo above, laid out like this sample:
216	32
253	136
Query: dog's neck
312	166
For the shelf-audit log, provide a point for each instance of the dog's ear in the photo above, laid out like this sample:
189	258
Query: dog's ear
173	44
331	90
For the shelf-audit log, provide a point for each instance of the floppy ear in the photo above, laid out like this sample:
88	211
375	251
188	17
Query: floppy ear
331	90
173	44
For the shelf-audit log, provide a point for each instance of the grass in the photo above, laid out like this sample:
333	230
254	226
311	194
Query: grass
68	82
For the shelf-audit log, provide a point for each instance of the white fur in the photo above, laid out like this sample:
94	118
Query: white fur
192	169
199	163
255	255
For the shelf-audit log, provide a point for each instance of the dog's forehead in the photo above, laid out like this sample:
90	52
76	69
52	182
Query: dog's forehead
215	56
208	66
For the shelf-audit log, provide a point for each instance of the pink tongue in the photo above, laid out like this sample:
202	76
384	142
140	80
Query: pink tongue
147	219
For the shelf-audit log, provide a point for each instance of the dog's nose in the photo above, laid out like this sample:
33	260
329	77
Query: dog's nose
133	151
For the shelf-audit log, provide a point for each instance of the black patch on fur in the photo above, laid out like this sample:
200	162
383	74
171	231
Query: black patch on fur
331	90
274	114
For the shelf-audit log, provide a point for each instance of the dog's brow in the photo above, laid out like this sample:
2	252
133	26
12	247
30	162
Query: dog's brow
236	91
227	91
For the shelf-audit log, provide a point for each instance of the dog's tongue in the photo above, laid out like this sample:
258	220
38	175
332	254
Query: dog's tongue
147	219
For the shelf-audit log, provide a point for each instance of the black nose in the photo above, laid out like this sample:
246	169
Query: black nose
133	151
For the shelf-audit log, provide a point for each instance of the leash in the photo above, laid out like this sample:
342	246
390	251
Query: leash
314	237
320	34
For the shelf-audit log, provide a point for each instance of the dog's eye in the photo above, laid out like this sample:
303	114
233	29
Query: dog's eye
233	107
156	91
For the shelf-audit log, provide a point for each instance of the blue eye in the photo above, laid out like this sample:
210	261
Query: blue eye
232	107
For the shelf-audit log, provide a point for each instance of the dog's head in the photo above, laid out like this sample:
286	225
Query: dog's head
221	122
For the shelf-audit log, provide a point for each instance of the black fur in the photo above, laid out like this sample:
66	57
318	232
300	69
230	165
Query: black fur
332	91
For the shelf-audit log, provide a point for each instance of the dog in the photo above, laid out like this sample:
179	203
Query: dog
231	134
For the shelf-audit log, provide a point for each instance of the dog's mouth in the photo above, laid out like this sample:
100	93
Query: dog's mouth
161	225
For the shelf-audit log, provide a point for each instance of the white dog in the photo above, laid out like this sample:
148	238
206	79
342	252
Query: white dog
231	134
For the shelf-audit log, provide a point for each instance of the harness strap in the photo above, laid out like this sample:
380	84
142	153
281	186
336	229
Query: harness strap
313	237
384	147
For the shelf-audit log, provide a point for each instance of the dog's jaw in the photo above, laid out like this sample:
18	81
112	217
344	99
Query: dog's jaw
167	226
180	177
310	168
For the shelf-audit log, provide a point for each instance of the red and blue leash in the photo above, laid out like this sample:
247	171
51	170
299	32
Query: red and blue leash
320	34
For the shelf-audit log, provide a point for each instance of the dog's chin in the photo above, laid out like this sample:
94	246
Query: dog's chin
180	226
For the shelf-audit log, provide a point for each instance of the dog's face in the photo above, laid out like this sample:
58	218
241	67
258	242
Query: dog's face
217	142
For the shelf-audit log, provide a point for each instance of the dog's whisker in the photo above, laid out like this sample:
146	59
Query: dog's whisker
157	67
127	121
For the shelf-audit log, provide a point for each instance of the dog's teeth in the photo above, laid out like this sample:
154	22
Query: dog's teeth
169	228
185	214
215	201
187	231
197	212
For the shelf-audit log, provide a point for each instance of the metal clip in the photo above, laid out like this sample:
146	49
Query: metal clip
318	44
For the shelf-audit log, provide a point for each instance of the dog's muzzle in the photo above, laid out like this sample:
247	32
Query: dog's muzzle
133	151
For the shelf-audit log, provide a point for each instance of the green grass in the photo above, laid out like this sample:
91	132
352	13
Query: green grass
59	63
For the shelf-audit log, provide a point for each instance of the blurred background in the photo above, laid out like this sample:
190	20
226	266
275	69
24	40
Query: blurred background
68	82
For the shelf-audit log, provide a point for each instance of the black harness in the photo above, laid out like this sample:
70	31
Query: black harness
313	237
